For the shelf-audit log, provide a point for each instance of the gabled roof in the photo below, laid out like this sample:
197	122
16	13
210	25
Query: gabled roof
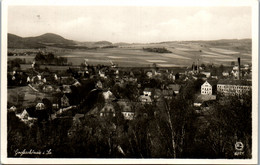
40	106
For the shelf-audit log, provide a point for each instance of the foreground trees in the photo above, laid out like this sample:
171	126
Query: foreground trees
164	129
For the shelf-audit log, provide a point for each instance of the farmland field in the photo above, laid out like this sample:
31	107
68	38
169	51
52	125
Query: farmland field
183	54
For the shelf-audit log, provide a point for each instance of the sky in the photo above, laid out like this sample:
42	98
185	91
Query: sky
133	24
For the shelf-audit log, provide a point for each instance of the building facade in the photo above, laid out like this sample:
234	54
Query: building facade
206	88
233	88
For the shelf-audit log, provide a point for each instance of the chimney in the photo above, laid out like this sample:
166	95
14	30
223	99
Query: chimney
238	59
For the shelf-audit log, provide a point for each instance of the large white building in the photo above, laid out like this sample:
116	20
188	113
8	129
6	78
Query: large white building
233	87
206	88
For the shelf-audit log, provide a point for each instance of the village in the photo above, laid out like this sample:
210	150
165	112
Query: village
126	88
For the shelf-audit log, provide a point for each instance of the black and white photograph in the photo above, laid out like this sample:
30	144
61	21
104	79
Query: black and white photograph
136	82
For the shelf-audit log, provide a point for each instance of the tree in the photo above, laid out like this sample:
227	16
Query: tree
230	122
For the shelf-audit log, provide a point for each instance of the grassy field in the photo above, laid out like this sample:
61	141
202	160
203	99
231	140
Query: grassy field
183	54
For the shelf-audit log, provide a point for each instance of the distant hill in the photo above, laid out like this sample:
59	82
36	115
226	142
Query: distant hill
50	38
103	43
41	41
95	44
54	40
15	41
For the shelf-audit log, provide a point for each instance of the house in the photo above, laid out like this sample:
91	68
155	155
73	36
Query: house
99	85
28	79
120	82
65	101
167	94
225	73
102	74
55	106
126	109
81	73
233	87
108	95
149	74
47	88
77	83
13	108
145	99
107	111
25	116
175	87
40	106
206	88
28	116
171	77
207	74
66	88
215	77
148	91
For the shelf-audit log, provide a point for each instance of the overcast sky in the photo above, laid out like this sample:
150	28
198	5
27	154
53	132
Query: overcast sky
131	24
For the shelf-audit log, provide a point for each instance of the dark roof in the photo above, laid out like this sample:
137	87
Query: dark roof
148	89
212	82
174	87
234	82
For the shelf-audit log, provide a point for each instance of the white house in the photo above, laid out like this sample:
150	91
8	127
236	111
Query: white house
108	95
13	108
147	92
206	88
108	111
40	106
207	74
145	99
